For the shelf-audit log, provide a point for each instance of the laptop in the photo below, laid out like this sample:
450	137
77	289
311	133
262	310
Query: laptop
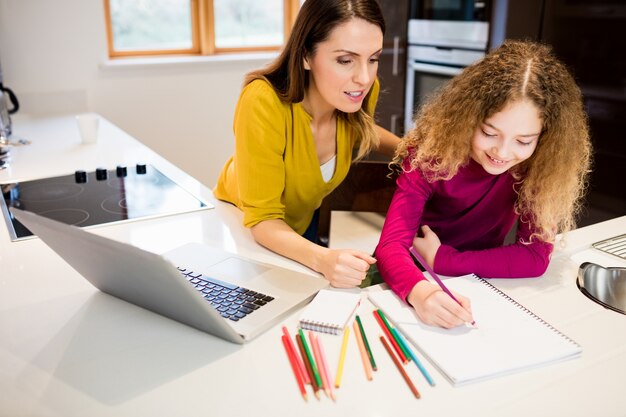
188	284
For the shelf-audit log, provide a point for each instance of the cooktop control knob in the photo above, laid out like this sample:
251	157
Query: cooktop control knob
141	169
80	176
121	171
101	174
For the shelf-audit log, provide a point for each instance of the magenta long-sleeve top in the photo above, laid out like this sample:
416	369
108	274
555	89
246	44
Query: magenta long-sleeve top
471	214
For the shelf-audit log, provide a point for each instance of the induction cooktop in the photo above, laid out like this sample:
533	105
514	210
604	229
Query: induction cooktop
99	197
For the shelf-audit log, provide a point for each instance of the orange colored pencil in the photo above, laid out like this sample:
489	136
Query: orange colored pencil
301	367
294	367
364	358
392	340
400	367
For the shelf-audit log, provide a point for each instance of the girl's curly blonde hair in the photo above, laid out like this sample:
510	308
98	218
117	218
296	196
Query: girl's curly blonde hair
552	181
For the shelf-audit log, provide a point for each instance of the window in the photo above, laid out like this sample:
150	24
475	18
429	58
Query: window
197	27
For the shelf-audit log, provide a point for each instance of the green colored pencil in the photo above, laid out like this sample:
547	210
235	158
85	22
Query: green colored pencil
395	335
316	372
367	345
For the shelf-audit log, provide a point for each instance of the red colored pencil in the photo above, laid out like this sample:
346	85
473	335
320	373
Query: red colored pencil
400	367
392	340
294	367
301	367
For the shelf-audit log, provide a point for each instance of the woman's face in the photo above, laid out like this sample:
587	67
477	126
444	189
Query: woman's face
507	138
343	68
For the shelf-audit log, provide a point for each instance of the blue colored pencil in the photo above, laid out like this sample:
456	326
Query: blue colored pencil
423	370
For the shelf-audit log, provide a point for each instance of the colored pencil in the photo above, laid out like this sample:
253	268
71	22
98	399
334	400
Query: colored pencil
414	357
342	357
318	360
301	367
405	356
323	365
432	273
307	364
367	345
366	361
294	367
389	336
314	369
400	367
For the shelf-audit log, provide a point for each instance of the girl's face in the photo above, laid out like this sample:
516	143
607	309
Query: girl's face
507	138
343	68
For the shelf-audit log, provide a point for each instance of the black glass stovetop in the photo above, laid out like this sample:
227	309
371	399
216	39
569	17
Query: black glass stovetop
98	197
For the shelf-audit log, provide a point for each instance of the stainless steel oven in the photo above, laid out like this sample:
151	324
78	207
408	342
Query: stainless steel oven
453	10
438	50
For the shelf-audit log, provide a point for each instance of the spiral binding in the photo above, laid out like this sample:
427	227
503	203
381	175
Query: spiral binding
320	327
526	310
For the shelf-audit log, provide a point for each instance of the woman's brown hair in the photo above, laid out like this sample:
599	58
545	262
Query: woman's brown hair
313	25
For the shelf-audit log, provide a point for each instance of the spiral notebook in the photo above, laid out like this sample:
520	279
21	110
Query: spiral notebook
330	311
508	338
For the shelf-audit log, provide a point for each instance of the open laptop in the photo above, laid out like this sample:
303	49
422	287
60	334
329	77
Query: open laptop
184	284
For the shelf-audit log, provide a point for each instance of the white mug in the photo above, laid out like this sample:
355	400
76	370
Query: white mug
88	127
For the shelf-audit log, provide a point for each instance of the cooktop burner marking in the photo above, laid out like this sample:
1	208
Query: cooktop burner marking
69	216
49	192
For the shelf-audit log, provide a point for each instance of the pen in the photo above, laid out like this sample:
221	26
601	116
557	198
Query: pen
445	289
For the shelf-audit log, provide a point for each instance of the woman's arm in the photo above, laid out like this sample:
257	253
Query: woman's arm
343	268
388	141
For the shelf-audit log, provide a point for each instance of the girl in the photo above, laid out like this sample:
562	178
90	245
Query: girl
296	124
505	141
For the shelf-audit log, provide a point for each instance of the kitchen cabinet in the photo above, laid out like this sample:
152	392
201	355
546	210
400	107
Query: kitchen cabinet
589	38
392	66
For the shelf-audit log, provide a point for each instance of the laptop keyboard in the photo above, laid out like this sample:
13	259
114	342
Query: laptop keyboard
615	246
231	301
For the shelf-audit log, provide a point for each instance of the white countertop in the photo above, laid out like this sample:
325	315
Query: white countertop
68	350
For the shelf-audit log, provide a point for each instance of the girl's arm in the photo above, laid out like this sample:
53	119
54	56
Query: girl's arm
518	260
343	268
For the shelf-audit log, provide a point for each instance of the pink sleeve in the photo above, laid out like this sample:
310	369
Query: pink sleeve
518	260
401	224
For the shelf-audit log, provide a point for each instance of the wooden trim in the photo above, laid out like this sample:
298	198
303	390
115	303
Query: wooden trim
109	26
202	32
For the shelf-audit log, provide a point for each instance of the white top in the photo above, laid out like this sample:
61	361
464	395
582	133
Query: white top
68	350
328	168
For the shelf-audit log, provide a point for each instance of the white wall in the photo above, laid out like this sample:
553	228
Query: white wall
54	57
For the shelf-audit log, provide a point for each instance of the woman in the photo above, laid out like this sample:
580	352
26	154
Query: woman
296	125
504	141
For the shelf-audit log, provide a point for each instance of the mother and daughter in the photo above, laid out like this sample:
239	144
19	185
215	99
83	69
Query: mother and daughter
504	142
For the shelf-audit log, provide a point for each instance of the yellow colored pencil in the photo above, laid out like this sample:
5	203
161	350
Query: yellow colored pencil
342	357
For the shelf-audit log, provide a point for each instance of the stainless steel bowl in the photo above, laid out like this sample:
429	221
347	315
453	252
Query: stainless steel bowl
605	286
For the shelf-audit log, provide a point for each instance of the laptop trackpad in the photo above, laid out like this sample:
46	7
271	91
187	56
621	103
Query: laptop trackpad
236	270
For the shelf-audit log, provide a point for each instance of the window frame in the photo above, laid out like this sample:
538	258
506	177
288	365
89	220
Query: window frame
202	33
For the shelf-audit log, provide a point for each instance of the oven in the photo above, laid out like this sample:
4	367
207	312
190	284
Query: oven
438	50
451	10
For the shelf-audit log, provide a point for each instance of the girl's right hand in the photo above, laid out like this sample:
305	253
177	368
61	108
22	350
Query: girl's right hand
434	307
345	268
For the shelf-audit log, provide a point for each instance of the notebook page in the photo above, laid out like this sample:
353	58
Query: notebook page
508	337
329	311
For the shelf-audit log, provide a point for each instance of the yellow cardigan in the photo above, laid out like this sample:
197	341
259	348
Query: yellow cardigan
275	173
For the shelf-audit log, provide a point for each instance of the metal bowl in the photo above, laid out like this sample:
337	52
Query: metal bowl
605	286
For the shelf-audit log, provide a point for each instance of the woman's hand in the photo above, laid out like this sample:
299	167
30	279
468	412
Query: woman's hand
435	307
427	246
345	268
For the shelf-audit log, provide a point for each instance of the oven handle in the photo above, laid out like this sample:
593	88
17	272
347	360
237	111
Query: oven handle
434	69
